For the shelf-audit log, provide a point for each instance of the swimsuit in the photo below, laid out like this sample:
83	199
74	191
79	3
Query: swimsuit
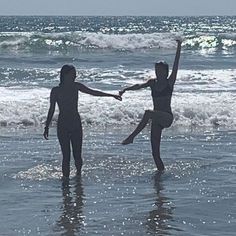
162	118
167	91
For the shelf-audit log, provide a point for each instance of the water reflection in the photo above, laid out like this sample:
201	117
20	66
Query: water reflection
158	222
71	221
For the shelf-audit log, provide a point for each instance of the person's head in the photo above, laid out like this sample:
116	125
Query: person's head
162	69
67	74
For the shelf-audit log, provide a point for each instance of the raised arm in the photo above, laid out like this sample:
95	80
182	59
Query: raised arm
97	93
173	75
50	112
137	86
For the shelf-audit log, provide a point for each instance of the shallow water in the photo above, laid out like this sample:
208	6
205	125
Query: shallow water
120	192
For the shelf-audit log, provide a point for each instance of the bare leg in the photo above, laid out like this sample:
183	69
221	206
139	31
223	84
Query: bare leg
147	115
156	131
76	140
64	139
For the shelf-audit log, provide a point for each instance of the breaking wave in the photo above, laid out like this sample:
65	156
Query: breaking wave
36	42
201	98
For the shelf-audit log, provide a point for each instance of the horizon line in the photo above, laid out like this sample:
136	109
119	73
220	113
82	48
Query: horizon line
41	15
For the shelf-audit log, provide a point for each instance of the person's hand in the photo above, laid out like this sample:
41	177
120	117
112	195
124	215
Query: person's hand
45	133
179	41
118	97
121	92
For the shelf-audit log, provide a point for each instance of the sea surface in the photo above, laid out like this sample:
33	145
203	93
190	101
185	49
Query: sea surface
120	192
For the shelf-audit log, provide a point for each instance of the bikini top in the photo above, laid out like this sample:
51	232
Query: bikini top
167	91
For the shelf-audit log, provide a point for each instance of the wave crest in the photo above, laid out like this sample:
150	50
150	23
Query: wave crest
30	41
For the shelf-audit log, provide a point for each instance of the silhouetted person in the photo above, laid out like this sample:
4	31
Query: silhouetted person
161	116
69	128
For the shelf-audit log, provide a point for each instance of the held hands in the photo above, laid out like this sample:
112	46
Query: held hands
121	92
45	134
179	41
118	97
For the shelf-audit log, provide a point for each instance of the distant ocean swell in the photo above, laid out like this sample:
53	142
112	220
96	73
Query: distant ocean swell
34	41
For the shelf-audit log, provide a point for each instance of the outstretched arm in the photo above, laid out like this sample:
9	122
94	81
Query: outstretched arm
176	64
97	93
137	86
50	112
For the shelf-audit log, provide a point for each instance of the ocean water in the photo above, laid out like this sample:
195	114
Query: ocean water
120	192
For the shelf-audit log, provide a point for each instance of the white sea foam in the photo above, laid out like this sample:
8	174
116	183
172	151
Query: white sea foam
88	40
201	98
128	41
40	172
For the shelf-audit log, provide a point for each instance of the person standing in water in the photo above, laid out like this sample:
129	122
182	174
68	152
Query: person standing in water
69	127
161	116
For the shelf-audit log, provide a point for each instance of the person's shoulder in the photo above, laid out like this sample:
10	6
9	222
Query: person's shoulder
151	82
78	85
54	90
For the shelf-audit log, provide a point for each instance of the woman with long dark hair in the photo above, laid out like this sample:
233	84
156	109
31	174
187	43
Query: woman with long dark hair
161	116
69	128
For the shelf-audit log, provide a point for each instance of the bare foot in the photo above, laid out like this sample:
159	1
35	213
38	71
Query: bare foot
128	141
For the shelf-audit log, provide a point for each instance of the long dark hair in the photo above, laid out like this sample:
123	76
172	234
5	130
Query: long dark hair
64	70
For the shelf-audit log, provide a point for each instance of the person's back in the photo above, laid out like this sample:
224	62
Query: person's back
67	100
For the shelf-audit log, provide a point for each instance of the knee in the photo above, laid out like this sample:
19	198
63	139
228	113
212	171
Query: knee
77	153
155	150
66	160
156	153
148	113
79	162
77	156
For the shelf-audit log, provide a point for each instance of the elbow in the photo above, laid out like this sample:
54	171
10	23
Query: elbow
94	93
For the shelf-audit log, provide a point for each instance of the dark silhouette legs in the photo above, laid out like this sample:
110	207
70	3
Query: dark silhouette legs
66	139
76	141
147	115
156	131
